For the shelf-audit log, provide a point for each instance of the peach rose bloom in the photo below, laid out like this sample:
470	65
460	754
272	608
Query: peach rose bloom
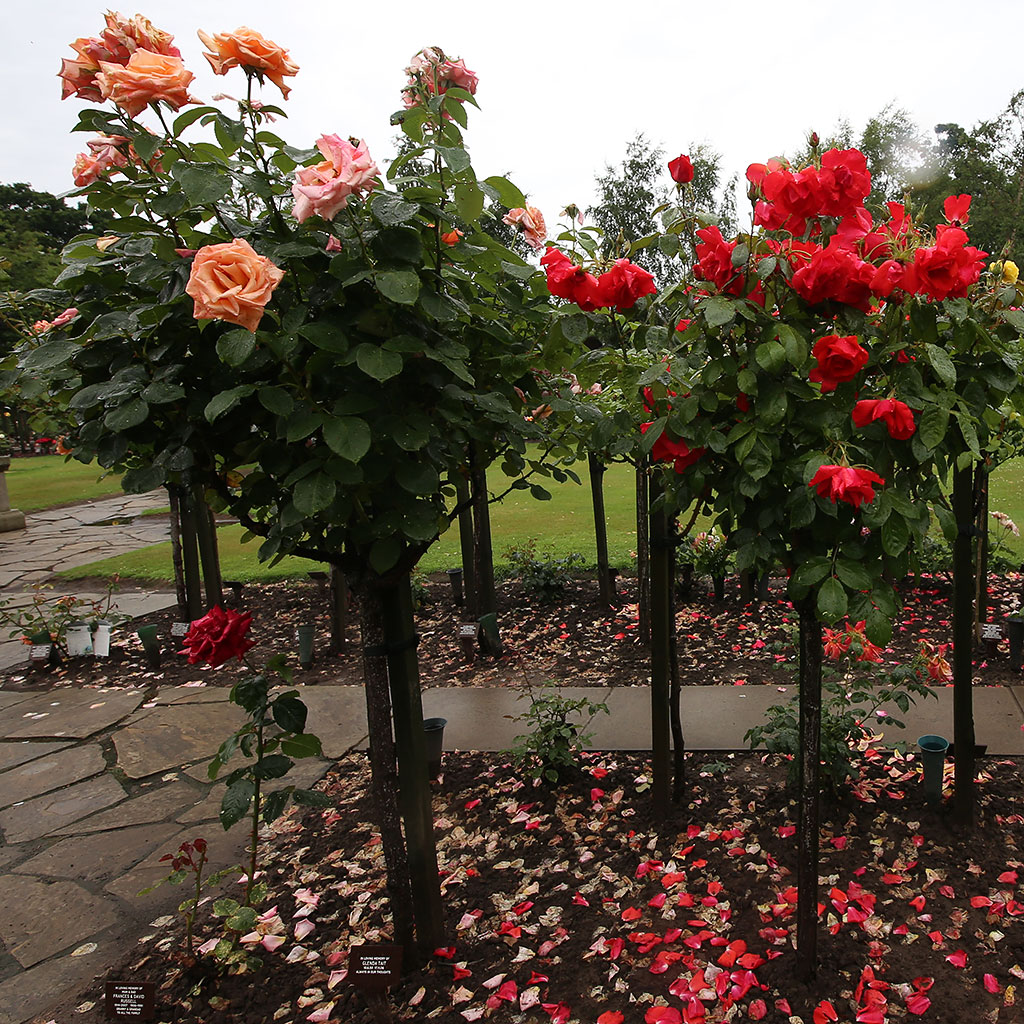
118	41
146	78
531	220
248	49
232	282
324	188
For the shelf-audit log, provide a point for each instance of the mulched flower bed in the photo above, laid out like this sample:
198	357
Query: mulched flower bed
572	640
578	905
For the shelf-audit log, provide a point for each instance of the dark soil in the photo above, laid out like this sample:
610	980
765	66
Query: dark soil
580	905
566	905
570	639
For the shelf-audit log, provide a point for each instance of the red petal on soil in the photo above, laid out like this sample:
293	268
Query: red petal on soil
918	1003
445	952
839	842
958	959
825	1012
657	901
663	1015
470	804
460	972
615	948
672	934
947	890
785	831
536	979
580	900
558	1012
732	951
757	1009
918	903
980	901
610	1017
1009	877
522	908
991	984
632	914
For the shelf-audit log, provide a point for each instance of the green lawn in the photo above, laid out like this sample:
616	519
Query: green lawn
562	525
44	481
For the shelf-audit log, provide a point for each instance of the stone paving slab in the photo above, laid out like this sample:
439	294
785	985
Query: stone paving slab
46	814
77	714
40	919
143	808
48	773
35	991
167	737
337	714
99	857
18	752
193	695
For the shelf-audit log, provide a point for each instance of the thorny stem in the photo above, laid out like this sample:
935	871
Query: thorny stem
259	153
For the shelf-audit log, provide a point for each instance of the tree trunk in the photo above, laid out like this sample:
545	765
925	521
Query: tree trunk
661	586
383	778
678	740
206	536
963	698
808	828
643	559
483	561
190	560
417	810
179	566
605	584
981	564
339	609
467	545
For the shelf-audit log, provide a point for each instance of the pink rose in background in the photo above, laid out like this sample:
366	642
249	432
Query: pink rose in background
531	220
324	188
232	282
146	78
66	317
432	72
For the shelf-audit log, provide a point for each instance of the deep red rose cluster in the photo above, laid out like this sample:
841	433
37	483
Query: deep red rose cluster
846	483
217	637
896	415
839	359
620	286
679	453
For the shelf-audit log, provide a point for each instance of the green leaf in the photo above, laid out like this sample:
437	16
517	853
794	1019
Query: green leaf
941	364
469	201
276	400
226	401
947	522
718	311
832	602
161	391
50	355
417	477
810	572
236	346
455	157
202	184
275	803
384	554
348	437
131	414
302	423
314	493
402	286
933	426
390	209
508	194
793	343
378	363
853	574
312	798
878	627
303	745
273	766
242	920
770	356
235	802
289	713
895	534
325	335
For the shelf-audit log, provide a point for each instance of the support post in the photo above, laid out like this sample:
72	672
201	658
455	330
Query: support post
963	621
661	584
606	587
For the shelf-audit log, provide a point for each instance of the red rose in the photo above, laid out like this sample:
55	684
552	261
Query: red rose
839	359
681	169
947	269
217	637
566	280
714	261
889	276
677	452
846	483
623	284
957	210
894	413
844	181
836	273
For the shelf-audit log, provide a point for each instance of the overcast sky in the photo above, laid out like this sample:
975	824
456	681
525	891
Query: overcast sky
563	86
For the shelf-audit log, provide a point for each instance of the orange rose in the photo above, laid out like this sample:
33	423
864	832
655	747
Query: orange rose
248	49
232	282
146	78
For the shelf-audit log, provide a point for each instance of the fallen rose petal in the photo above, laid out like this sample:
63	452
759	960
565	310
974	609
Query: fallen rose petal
271	942
757	1009
302	928
663	1015
321	1014
825	1012
957	959
991	984
918	1003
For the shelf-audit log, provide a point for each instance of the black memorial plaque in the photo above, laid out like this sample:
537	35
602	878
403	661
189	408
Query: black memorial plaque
374	968
131	1000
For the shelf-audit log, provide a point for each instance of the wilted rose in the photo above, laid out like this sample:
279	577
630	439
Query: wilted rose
232	282
531	221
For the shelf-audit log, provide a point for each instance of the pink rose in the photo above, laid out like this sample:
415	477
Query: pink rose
531	220
66	317
433	73
232	282
324	189
146	78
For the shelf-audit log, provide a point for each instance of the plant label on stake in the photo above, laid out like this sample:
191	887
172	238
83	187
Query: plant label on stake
468	633
180	628
131	1000
374	969
992	631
